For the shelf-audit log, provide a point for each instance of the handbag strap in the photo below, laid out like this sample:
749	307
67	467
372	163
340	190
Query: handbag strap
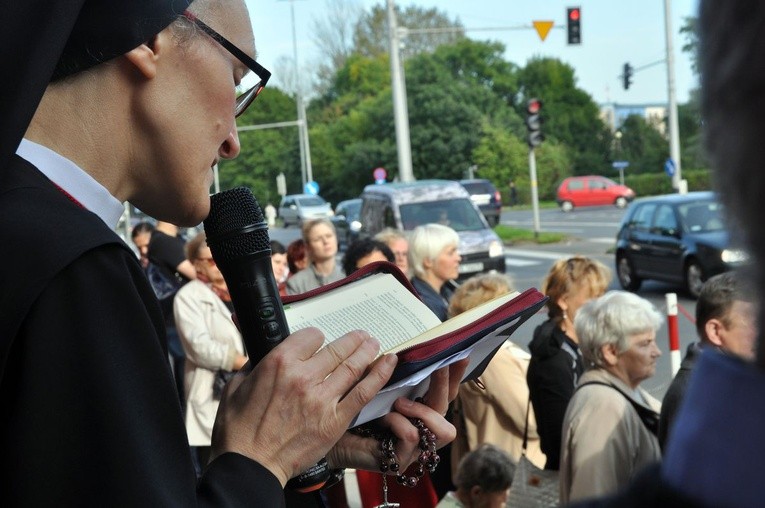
526	427
649	417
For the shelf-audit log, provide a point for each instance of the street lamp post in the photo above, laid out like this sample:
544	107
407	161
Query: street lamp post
306	170
674	135
400	113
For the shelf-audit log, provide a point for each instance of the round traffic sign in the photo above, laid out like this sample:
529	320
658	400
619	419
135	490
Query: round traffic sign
380	174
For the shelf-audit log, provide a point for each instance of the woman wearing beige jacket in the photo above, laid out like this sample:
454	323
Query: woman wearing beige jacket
492	409
609	430
210	340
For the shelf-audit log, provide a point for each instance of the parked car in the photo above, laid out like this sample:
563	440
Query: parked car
678	238
405	206
297	208
346	221
486	197
592	190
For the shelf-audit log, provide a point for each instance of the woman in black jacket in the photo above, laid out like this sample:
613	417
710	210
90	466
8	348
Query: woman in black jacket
556	362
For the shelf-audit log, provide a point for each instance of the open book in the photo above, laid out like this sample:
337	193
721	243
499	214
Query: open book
380	300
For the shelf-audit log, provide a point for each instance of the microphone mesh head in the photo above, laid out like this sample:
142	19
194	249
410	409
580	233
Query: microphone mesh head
236	226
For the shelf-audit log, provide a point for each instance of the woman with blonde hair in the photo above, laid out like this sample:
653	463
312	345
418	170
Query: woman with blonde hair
556	362
321	248
492	409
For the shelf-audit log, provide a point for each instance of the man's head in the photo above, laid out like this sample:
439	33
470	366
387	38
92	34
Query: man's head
726	315
178	81
731	45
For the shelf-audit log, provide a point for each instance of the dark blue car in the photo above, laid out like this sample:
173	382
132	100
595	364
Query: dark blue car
676	238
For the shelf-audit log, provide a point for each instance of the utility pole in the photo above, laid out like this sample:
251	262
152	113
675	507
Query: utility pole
674	134
400	113
306	170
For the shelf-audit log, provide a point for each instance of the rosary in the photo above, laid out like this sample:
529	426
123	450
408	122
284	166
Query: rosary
428	458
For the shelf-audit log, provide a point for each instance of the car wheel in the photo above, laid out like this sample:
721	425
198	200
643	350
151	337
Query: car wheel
493	221
621	202
626	274
694	278
567	206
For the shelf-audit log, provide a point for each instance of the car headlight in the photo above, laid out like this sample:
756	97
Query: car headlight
495	249
733	255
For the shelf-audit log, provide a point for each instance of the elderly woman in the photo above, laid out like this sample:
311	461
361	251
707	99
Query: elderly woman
210	339
610	426
556	363
492	408
435	261
321	248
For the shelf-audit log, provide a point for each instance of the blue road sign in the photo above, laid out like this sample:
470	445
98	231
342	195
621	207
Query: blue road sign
670	168
620	164
311	188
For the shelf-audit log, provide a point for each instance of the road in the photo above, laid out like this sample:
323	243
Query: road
591	232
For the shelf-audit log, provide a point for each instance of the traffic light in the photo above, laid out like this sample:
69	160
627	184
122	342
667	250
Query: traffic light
627	75
573	25
534	123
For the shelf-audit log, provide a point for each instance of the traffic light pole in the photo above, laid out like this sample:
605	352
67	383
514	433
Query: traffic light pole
674	134
534	194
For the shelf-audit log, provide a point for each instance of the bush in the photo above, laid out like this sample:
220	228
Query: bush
652	184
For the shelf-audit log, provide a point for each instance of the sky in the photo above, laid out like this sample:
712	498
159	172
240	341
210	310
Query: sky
613	32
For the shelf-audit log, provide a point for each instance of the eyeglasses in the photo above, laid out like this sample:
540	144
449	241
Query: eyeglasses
253	82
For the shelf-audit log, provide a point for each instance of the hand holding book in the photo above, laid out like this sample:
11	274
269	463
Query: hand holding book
379	299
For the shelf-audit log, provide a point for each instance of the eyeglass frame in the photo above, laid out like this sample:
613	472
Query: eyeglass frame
240	55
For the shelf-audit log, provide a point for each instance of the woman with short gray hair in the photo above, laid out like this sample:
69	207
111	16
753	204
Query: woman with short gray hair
434	258
609	430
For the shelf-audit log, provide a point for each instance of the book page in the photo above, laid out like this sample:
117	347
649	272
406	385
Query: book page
378	304
457	322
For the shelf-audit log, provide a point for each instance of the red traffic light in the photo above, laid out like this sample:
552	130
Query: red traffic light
573	14
533	106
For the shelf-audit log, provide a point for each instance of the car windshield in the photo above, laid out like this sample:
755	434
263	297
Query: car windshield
459	214
351	210
702	216
311	202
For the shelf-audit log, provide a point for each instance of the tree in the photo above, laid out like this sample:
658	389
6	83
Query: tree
691	46
570	115
642	145
371	37
333	36
265	153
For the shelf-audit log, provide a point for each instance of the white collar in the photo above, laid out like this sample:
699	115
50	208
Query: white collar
76	182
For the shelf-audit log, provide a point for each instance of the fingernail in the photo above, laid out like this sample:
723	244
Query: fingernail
406	402
391	359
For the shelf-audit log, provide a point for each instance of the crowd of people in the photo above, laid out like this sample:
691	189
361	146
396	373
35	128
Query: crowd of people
129	368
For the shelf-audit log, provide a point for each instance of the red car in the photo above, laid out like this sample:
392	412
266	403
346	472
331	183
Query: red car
592	190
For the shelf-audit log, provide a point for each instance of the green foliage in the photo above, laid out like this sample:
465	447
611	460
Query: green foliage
265	152
502	157
466	105
371	35
642	145
570	115
515	235
652	184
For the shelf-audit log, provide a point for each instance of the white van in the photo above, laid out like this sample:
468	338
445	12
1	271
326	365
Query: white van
405	206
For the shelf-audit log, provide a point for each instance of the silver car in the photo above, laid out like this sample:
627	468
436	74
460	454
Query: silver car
298	208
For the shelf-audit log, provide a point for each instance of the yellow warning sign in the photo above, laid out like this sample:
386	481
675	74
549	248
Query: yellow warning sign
543	28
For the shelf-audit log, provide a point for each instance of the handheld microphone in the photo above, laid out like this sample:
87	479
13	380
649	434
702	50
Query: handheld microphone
237	235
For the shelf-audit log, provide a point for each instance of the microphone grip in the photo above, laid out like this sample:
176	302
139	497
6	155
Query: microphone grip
257	304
